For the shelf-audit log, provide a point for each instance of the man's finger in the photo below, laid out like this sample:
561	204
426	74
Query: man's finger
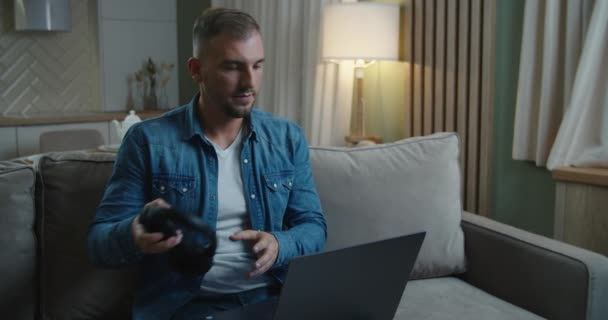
266	258
152	238
160	202
261	245
164	245
246	235
258	271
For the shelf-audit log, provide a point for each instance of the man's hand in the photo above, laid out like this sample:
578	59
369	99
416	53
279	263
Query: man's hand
153	242
265	247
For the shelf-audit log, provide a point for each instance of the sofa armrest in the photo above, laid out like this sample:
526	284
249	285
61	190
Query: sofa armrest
550	278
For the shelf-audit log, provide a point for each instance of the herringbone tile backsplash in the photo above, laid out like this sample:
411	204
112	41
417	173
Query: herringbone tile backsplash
50	73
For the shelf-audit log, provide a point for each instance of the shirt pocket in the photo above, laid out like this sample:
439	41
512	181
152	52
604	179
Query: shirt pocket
278	187
279	181
177	190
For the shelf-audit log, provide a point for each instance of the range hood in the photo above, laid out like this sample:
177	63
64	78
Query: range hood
43	15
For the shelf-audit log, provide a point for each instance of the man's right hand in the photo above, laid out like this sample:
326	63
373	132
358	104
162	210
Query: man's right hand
153	242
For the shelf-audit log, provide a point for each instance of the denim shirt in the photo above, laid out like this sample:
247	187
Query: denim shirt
168	157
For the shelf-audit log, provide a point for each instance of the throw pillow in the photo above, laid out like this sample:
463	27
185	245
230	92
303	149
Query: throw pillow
383	191
70	186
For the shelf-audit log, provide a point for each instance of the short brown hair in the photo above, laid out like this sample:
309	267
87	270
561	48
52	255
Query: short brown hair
215	21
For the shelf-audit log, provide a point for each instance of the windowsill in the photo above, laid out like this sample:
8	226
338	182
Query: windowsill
592	176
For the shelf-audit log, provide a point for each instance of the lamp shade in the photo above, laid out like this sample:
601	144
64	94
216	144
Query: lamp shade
361	30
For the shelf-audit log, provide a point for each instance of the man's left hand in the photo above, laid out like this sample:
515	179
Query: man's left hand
265	247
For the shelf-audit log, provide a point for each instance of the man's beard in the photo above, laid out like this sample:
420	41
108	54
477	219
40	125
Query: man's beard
234	111
230	109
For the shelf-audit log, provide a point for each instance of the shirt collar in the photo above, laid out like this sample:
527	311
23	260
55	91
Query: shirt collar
192	126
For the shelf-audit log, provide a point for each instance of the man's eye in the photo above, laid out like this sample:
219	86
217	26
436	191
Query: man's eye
231	66
257	66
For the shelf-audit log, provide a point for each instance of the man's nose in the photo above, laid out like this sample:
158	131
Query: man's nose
247	78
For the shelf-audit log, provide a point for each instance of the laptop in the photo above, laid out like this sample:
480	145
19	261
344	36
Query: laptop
361	282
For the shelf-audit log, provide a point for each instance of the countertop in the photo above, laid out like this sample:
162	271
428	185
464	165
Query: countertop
45	119
593	176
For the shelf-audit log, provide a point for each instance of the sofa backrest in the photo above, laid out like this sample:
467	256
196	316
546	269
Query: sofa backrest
367	193
18	287
69	188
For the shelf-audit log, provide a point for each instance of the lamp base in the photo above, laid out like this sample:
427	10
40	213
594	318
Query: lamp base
355	140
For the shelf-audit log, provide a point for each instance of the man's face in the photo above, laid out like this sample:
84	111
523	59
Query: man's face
231	73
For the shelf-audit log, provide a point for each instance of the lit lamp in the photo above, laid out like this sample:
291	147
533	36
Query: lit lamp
363	32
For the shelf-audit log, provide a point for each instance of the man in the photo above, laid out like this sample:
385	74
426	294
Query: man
244	171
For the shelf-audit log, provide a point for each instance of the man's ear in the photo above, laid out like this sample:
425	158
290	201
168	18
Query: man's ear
194	66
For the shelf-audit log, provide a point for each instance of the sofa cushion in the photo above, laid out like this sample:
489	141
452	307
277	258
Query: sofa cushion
451	298
18	289
70	187
382	191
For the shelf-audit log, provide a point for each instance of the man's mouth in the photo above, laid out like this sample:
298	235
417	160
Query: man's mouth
243	95
244	98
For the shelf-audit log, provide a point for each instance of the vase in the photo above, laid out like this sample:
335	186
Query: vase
163	99
139	96
152	99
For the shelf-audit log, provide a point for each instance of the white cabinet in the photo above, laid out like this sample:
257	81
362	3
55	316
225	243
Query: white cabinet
131	31
138	10
8	143
28	137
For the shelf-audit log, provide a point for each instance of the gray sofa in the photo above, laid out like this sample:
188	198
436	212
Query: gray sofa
507	273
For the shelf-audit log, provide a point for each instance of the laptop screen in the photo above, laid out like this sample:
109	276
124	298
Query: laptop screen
361	282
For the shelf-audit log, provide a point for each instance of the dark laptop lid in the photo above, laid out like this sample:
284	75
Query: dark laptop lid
361	282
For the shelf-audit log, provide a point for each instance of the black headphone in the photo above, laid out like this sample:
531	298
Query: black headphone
194	254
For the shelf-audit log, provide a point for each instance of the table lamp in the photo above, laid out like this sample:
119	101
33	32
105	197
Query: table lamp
363	32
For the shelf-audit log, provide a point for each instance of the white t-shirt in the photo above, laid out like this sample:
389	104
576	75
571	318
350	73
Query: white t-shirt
233	260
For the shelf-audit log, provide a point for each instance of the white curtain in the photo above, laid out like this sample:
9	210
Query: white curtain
560	117
297	86
583	135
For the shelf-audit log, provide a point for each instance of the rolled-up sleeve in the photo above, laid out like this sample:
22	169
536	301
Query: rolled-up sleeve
306	228
110	241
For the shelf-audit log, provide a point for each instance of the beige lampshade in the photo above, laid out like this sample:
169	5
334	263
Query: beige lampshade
361	30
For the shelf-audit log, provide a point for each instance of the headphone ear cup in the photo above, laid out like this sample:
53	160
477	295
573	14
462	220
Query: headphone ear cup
194	254
157	219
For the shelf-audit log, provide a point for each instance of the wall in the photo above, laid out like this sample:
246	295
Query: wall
49	73
187	11
523	195
87	68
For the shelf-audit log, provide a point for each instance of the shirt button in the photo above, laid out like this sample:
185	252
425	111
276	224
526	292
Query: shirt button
290	183
162	188
185	189
274	185
252	196
246	161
